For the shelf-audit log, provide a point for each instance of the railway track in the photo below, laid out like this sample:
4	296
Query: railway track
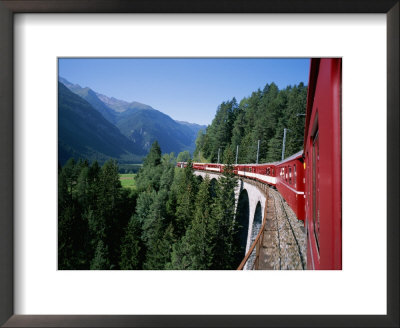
284	242
281	245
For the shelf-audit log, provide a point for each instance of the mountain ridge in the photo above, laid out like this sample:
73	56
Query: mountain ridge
84	133
140	123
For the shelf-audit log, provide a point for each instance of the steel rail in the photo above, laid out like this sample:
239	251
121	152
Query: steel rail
258	241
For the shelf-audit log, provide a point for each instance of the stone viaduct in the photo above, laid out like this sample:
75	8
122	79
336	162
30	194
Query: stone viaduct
283	237
250	202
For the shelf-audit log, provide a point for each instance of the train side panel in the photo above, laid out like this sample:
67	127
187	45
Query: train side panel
290	184
323	166
265	173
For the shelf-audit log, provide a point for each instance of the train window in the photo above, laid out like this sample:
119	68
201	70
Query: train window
315	187
290	175
295	175
268	171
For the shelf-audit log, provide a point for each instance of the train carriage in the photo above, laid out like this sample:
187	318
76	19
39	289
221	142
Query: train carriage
214	167
322	151
265	173
290	183
199	166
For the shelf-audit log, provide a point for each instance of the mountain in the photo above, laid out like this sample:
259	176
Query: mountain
192	126
91	97
195	128
146	125
68	84
141	123
84	133
121	105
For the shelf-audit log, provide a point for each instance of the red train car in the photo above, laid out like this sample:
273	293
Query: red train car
199	166
218	168
322	152
265	173
290	183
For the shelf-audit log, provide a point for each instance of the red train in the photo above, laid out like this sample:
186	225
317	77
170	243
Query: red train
311	181
323	163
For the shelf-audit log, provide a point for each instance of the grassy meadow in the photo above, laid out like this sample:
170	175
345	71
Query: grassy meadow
128	180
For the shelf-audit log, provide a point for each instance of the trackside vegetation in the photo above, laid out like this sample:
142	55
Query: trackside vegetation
262	116
170	220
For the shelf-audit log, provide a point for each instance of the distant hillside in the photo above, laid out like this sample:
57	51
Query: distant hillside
91	97
146	125
141	123
121	105
195	128
84	133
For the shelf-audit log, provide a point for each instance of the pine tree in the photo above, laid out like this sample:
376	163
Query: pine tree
183	156
198	154
180	255
71	228
168	171
69	171
224	227
185	200
100	260
275	147
149	175
199	234
132	247
105	221
194	250
159	255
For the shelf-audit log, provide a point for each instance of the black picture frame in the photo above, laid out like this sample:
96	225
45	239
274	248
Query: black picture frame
7	10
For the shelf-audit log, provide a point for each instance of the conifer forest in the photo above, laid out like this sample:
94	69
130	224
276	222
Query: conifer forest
172	219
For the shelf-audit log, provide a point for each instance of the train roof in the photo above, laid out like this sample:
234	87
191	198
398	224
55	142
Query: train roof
294	156
208	163
260	164
298	154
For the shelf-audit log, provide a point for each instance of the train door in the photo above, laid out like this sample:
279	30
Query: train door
315	190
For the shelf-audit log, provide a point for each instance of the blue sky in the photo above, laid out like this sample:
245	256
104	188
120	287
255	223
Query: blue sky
185	89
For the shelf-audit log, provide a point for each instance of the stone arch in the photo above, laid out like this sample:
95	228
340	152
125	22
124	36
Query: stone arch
213	187
242	217
255	229
199	179
257	221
